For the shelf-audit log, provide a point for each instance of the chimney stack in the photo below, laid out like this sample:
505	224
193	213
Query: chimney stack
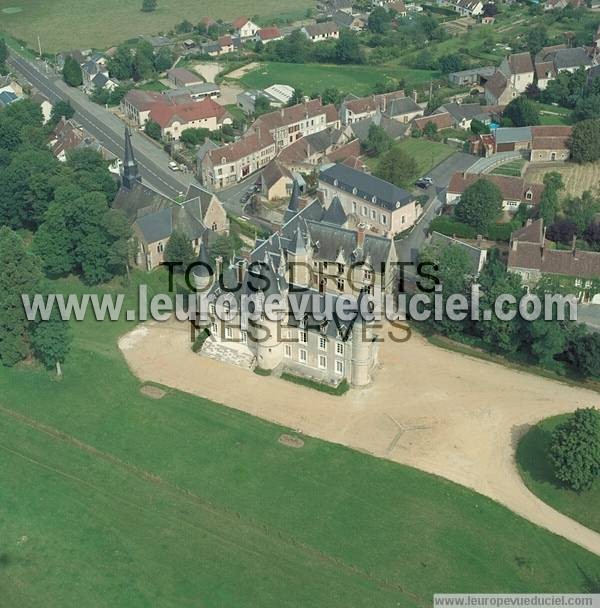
360	235
218	265
241	270
574	249
415	96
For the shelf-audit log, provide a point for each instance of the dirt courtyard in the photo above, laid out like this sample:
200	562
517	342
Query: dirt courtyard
436	410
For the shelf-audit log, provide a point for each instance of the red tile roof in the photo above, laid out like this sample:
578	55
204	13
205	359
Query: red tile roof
443	120
269	33
293	114
239	22
512	188
166	114
250	143
372	103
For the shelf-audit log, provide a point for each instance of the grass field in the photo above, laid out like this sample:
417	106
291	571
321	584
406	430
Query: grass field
111	498
553	115
426	153
537	473
64	24
577	178
313	77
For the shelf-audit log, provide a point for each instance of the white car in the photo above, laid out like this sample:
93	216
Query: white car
173	166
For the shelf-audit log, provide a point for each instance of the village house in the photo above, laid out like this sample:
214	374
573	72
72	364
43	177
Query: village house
181	77
475	76
515	190
136	105
174	119
469	8
441	121
321	31
244	28
379	206
269	34
360	129
398	7
518	70
393	105
537	144
533	258
227	165
477	255
276	181
544	73
197	92
463	114
306	153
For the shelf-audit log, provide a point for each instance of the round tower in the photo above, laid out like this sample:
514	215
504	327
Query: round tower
361	353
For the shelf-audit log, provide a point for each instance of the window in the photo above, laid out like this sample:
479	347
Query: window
302	355
322	361
341	284
364	210
383	219
214	329
403	219
228	333
339	348
588	284
339	367
577	282
354	206
367	275
340	269
302	337
211	308
373	214
322	343
529	195
244	337
287	351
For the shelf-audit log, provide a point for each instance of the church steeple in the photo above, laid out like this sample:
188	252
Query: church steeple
131	171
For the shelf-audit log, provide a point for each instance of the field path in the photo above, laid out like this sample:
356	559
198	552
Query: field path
439	411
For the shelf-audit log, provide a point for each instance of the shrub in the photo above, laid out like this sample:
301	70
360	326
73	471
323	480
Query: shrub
262	372
575	449
200	339
340	389
451	227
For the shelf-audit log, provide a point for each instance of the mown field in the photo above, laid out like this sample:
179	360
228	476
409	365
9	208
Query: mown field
536	471
64	24
314	78
577	178
110	498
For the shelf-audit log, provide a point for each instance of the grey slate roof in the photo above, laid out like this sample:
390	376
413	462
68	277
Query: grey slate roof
141	199
402	105
368	187
507	135
335	213
572	58
441	241
466	111
393	128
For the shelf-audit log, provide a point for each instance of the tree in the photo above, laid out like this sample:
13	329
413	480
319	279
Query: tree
153	130
522	112
61	109
194	137
163	60
120	65
585	141
490	10
592	236
377	142
185	27
581	210
262	105
379	20
143	61
179	249
397	167
296	98
575	449
20	275
451	63
3	56
549	200
430	130
548	339
51	340
536	39
347	48
477	127
584	355
72	73
331	95
562	231
149	5
480	205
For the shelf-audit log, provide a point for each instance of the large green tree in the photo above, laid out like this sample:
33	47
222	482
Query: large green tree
378	141
480	205
575	449
149	5
179	249
585	141
522	112
397	167
72	73
21	274
549	202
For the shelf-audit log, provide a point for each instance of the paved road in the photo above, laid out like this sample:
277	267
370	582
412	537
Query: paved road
106	127
409	246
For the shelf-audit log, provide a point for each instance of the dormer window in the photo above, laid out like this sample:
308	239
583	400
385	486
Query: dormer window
335	182
374	199
529	195
354	190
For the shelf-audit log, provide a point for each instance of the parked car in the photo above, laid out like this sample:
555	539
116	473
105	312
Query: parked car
424	182
173	166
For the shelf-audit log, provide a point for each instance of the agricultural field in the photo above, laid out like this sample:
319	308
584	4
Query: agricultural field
314	77
537	474
577	178
133	501
64	24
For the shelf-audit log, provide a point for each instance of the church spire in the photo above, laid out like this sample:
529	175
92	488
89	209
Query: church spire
131	172
294	204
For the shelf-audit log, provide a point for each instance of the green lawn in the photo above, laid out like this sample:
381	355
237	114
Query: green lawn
64	24
537	473
553	115
153	85
110	498
314	77
427	154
